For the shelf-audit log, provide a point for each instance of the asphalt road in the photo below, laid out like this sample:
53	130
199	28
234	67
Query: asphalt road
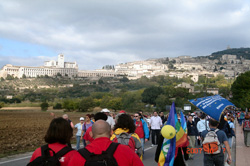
23	159
148	160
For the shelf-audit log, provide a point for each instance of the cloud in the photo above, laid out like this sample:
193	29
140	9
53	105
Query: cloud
95	32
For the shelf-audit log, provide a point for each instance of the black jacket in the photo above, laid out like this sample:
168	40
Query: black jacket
192	129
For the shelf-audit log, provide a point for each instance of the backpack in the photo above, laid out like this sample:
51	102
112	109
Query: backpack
246	125
242	115
104	159
46	160
211	143
125	139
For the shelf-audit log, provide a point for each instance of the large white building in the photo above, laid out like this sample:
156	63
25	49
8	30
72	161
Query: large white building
50	68
137	69
97	73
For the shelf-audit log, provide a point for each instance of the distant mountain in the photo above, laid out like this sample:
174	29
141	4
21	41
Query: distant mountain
240	52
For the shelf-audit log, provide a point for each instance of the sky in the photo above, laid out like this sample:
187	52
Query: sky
95	33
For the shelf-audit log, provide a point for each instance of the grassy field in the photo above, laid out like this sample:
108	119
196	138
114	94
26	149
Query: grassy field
24	130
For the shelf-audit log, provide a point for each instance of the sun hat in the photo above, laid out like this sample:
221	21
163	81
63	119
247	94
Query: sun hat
105	110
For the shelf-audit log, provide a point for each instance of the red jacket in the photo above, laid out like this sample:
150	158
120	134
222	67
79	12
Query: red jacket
87	137
56	147
124	155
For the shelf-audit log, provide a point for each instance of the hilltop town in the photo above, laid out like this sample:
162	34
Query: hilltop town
228	65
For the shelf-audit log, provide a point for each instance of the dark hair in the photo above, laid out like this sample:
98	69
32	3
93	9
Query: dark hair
100	116
88	115
125	122
222	122
213	122
59	131
141	117
203	116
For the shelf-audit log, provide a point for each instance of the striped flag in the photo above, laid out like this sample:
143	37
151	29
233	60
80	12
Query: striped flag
167	154
184	140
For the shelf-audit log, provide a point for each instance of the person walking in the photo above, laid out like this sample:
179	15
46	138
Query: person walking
57	136
162	116
155	125
192	134
125	128
202	125
216	159
246	130
230	120
110	119
241	118
141	129
98	116
78	126
101	132
65	116
88	123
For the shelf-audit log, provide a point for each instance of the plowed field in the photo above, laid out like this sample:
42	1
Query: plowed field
24	130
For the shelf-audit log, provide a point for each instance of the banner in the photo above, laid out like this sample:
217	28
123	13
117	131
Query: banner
167	154
212	105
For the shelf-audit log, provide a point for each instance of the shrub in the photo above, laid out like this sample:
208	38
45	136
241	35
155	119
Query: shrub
44	106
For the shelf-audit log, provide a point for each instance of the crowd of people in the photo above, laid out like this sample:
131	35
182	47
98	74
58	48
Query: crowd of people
119	138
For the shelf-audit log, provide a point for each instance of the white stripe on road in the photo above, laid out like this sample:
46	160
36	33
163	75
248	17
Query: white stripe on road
15	160
148	148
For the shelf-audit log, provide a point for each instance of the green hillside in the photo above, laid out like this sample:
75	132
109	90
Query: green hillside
240	52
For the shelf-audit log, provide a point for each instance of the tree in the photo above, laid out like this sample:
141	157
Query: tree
100	81
115	103
57	106
59	74
162	101
105	100
24	76
69	104
1	105
180	92
150	94
240	89
131	101
9	77
44	106
86	103
224	91
179	102
124	79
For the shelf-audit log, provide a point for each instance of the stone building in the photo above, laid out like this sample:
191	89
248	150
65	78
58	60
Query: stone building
50	68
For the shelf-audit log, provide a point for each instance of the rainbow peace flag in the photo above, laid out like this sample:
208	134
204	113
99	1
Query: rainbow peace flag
167	154
169	146
184	141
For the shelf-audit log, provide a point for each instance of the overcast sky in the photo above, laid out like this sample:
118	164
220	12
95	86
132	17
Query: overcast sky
95	33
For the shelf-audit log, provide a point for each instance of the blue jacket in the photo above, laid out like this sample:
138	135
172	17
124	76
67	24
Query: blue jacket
145	129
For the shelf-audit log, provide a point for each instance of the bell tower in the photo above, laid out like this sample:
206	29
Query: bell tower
60	61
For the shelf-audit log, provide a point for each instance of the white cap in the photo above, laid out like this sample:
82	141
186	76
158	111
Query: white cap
105	110
81	118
